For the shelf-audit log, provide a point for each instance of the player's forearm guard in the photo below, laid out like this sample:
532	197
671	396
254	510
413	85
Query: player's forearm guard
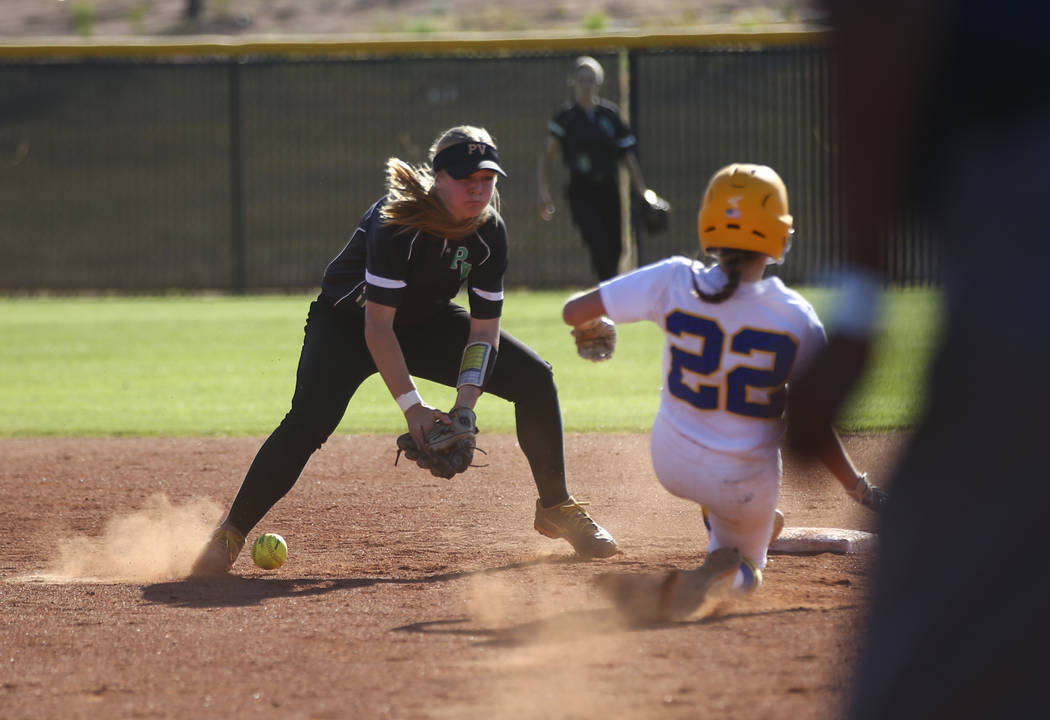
476	367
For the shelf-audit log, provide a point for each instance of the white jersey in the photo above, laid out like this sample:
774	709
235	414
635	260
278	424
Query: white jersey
725	365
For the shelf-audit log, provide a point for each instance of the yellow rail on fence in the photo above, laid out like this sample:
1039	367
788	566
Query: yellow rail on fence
431	44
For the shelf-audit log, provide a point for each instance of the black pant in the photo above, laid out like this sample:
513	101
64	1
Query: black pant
596	213
335	361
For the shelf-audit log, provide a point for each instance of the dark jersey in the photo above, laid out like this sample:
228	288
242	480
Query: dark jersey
592	142
418	273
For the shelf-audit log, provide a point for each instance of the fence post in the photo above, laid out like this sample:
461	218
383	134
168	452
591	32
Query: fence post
635	115
238	278
626	65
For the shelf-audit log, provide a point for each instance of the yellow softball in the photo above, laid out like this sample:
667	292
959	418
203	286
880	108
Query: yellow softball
269	551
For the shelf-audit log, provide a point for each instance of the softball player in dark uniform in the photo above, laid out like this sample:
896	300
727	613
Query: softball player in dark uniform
594	140
386	305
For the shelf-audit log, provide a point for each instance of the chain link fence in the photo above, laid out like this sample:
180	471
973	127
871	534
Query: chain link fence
243	172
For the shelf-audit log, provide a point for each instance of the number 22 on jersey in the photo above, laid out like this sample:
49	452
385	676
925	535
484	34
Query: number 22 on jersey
714	353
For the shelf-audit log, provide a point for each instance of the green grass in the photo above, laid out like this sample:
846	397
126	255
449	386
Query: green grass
217	365
891	394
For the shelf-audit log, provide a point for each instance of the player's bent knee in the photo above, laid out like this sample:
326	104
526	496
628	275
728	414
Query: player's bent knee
306	433
531	382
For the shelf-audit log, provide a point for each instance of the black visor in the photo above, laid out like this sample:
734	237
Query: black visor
462	159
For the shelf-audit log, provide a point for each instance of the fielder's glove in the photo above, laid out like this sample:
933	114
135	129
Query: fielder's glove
595	340
868	494
448	449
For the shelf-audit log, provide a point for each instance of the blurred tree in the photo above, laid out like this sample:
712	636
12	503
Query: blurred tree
193	8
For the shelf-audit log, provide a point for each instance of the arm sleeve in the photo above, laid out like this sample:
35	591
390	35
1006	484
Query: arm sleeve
625	137
485	282
556	126
811	341
386	263
636	295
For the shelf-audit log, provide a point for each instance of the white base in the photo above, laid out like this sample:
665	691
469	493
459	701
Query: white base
820	540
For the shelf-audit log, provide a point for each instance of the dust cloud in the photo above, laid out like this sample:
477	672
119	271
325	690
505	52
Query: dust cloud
530	631
550	638
160	541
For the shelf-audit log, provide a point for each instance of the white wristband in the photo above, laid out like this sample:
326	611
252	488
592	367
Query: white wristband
409	399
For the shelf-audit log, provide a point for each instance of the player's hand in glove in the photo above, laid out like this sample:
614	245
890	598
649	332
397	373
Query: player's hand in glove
655	213
595	339
868	494
447	449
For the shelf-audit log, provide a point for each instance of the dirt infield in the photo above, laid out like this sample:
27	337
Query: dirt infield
404	596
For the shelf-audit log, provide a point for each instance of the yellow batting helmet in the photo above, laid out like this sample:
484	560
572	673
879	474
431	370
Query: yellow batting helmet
745	207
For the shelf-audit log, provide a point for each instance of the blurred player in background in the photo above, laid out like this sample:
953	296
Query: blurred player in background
945	106
593	139
386	305
733	342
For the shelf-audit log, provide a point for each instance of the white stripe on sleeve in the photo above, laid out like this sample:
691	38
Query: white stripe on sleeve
488	250
382	281
486	295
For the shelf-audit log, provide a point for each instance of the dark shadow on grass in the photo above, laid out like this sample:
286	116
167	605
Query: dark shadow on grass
235	591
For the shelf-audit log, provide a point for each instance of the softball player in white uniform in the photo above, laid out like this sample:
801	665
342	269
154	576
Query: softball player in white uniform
733	342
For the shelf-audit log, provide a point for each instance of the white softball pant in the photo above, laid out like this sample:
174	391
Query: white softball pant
739	494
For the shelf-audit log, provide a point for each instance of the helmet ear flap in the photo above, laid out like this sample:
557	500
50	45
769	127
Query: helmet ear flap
787	246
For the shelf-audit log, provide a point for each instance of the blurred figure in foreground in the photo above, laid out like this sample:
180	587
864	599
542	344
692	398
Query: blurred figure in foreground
946	104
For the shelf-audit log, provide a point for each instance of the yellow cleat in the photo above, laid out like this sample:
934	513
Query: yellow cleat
569	521
219	553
